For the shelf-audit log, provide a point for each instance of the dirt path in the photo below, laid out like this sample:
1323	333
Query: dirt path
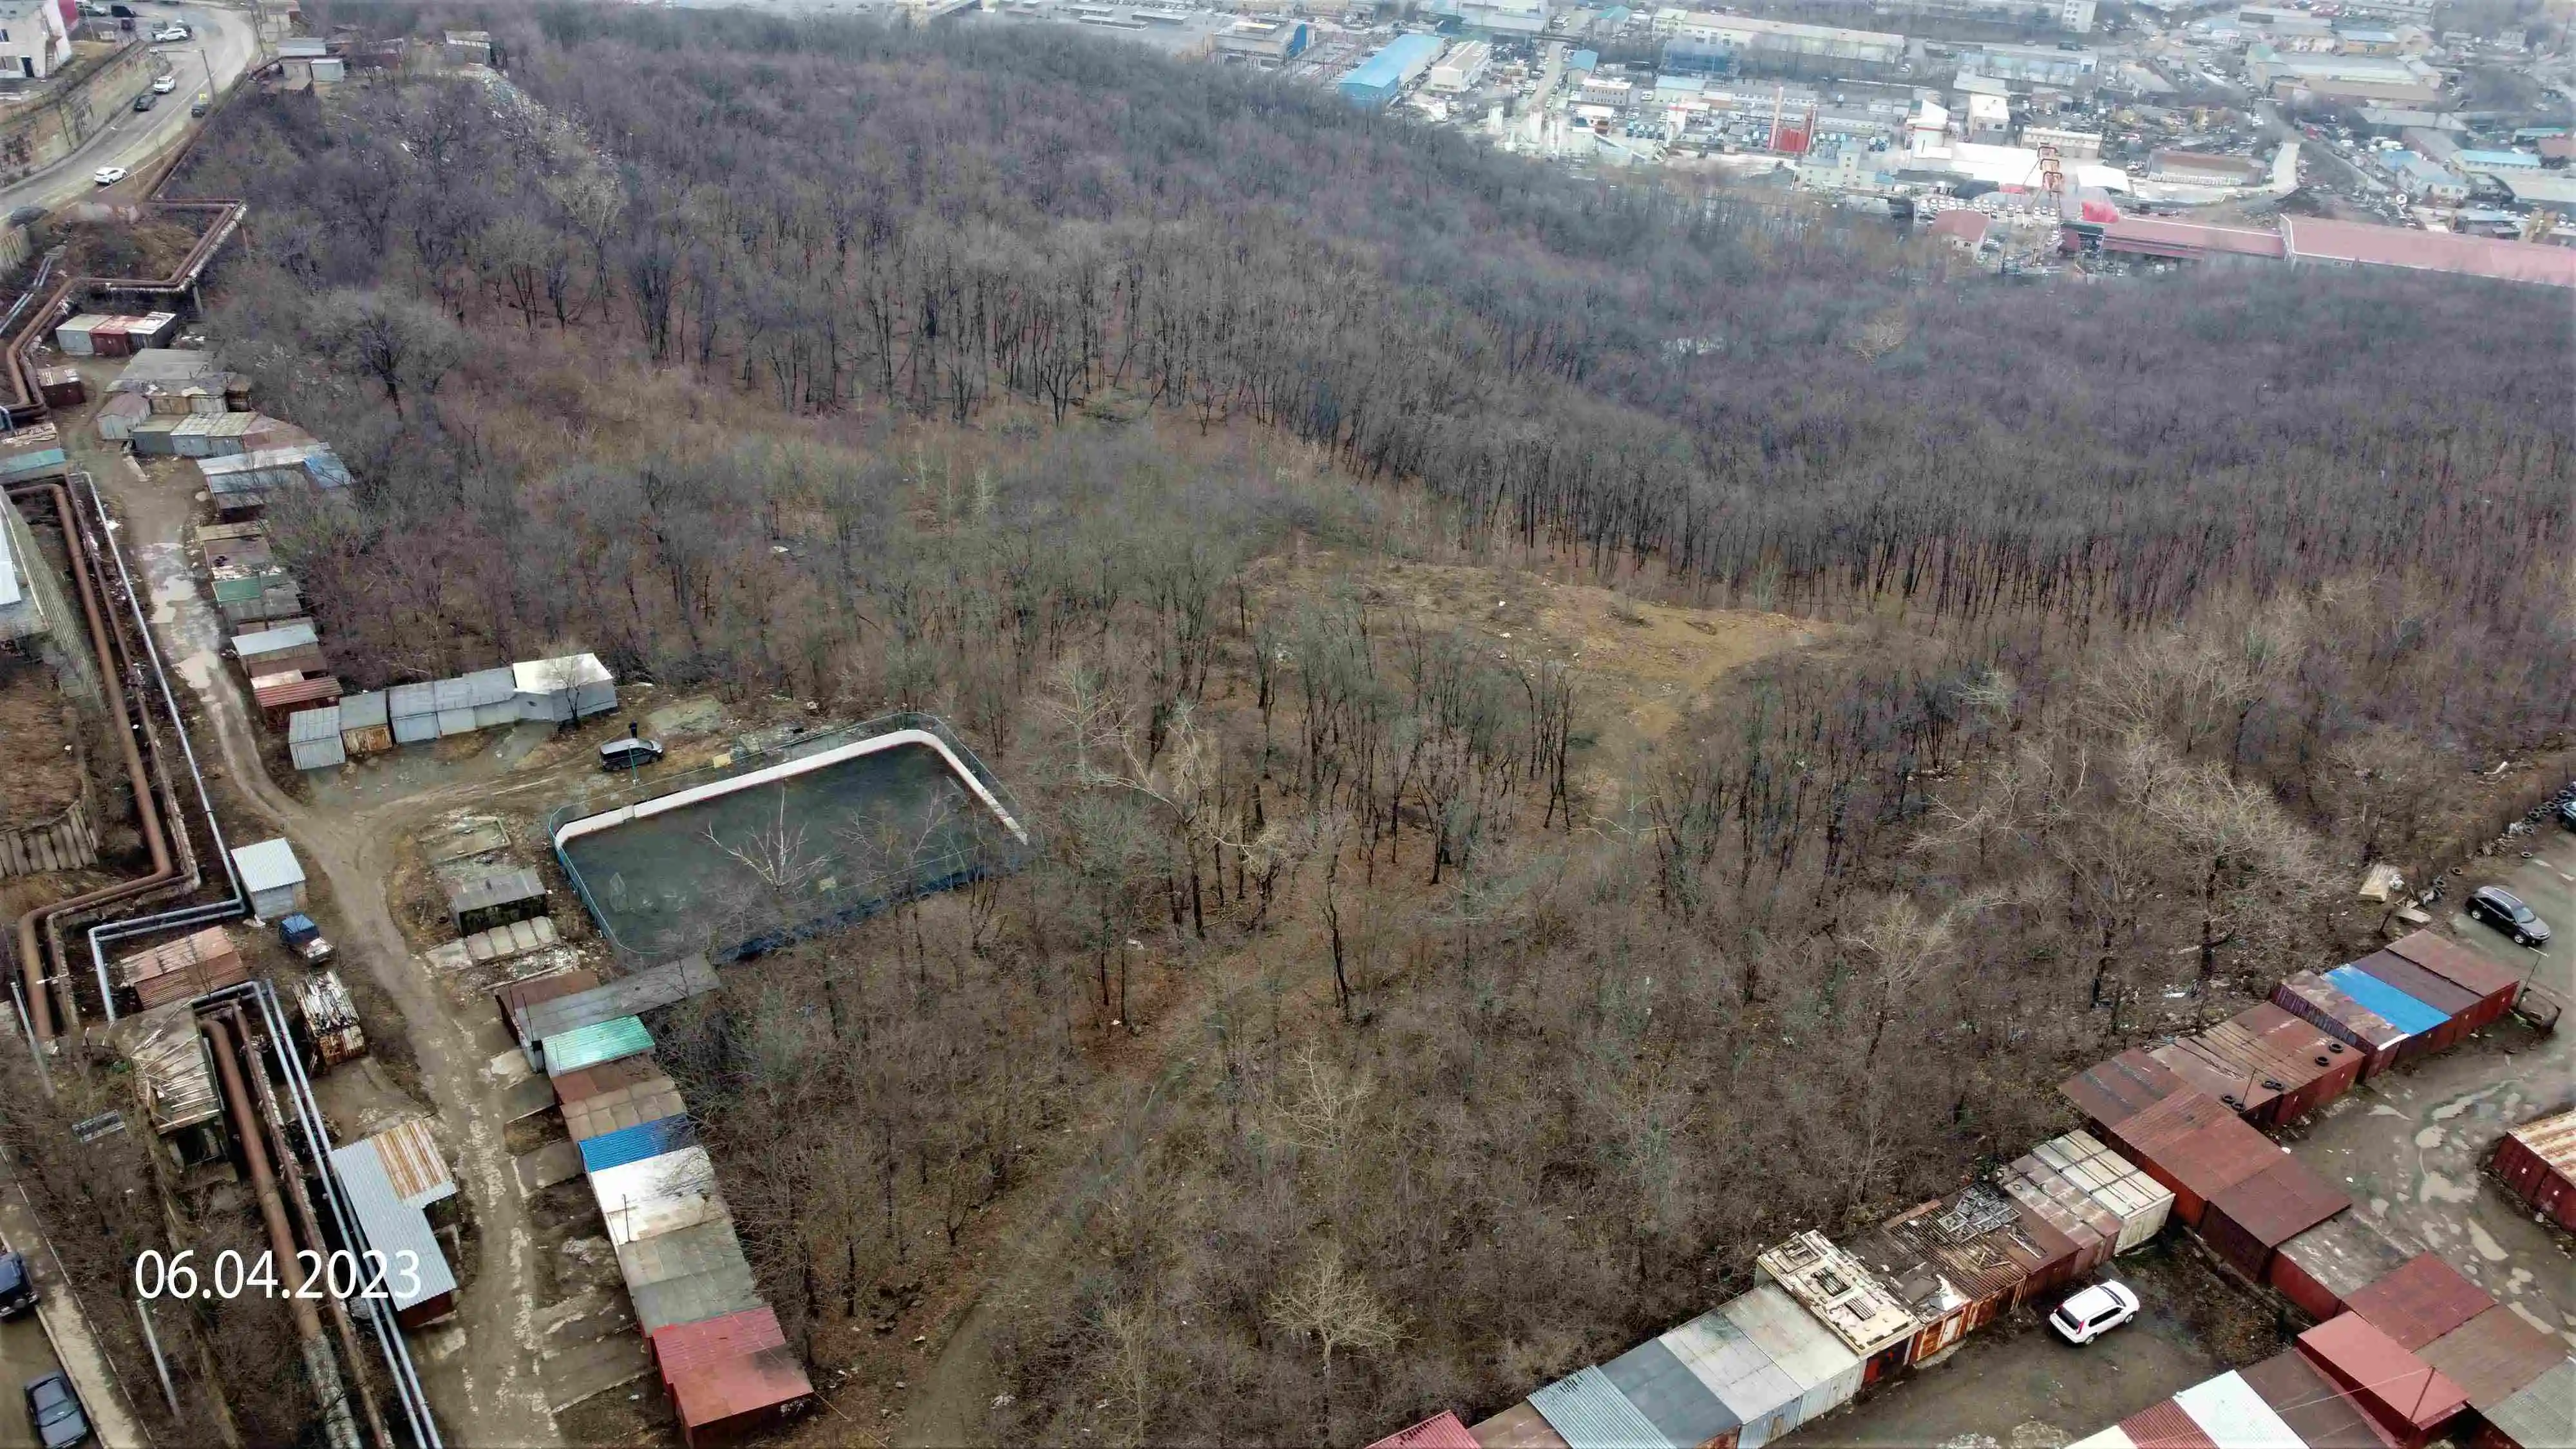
486	1394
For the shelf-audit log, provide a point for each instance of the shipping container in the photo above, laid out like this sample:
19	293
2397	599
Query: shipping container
2228	1410
2139	1202
2494	1356
2164	1426
1955	1263
2406	1396
2110	1093
2425	1025
2080	1219
1659	1386
2537	1162
2319	1002
73	335
1761	1396
2197	1162
108	338
2419	1302
2537	1418
2246	1223
1442	1430
1590	1413
2055	1246
719	1403
1518	1427
2323	1416
313	738
2319	1268
61	387
2495	985
1813	1356
2458	1005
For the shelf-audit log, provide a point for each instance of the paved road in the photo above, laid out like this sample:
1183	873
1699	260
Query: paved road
226	40
24	1356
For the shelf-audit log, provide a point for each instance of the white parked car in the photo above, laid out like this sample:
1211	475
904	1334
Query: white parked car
2094	1312
168	33
163	85
107	175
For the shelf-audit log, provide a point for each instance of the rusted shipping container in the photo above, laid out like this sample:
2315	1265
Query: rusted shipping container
2064	1210
278	703
2319	1002
2054	1252
2426	1025
1442	1430
2278	1067
2111	1092
721	1402
2199	1163
2495	1356
2248	1222
2406	1396
2458	1005
2319	1268
2164	1426
2323	1416
2537	1162
1518	1427
62	387
2424	1299
2495	985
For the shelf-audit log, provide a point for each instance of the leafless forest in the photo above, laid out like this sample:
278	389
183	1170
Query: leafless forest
1383	1029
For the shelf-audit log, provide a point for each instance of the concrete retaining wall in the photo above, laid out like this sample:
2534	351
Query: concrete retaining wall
37	133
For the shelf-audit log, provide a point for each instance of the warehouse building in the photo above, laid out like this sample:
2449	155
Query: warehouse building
1706	42
1463	68
1377	80
1504	17
1263	42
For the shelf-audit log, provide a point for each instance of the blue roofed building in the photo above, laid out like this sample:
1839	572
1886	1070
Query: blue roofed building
1584	60
1376	80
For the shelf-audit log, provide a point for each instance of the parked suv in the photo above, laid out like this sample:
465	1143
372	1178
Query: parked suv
2094	1312
2505	911
17	1286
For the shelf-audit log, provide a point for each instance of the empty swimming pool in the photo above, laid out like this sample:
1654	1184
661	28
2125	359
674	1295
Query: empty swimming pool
770	846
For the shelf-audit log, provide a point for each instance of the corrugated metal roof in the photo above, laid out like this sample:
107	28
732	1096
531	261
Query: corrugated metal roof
1443	1430
1733	1366
392	1227
307	725
713	1393
1518	1427
658	1195
2457	964
2396	1007
268	865
684	1346
2164	1426
2280	1202
2112	1092
2443	996
658	986
1808	1352
2323	1416
276	639
695	1298
2424	1299
2552	1140
1591	1413
512	996
588	1046
2215	1158
2542	1413
500	887
2172	1119
2235	1417
636	1143
406	701
580	1086
413	1163
2326	1002
363	711
649	1100
2358	1355
2494	1356
1658	1385
2344	1254
659	1259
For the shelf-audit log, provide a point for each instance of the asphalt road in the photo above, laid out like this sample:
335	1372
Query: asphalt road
224	43
24	1357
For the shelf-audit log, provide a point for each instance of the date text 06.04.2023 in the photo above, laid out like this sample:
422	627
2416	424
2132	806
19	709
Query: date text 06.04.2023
336	1274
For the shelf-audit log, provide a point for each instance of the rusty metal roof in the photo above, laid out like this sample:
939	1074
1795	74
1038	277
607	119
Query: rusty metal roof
1518	1427
2446	997
2165	1426
2457	964
2323	1416
2280	1202
2494	1356
2344	1254
2424	1299
2327	1003
2112	1092
712	1393
2171	1120
2552	1140
413	1165
2374	1366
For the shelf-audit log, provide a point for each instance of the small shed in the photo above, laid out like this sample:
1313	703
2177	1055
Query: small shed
2425	1024
255	598
1591	1413
116	418
1443	1430
576	1087
398	1228
61	387
2271	1066
726	1287
2537	1162
658	1195
2246	1223
177	1079
2111	1092
364	729
2196	1146
2321	1415
2138	1205
684	1346
412	713
588	1046
567	689
2494	985
1763	1398
281	699
1826	1372
2344	1254
272	878
279	637
2459	1007
1842	1293
720	1402
2405	1395
636	1143
496	898
330	1020
313	738
2424	1299
72	334
1659	1386
514	996
177	970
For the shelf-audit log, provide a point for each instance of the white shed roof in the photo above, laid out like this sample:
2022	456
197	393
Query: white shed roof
544	676
268	866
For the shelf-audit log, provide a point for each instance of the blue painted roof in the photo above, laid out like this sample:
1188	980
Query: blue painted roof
1584	60
636	1143
1587	1411
2497	158
2402	1011
1387	67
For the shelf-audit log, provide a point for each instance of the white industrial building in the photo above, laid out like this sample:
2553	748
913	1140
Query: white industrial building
1463	68
1744	36
1504	17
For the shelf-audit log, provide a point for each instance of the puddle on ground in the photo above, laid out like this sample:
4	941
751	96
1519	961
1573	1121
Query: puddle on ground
2428	1138
2382	1109
199	670
2457	1105
2438	1188
2488	1248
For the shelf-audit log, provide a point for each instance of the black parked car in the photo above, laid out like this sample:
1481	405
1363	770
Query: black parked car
54	1411
17	1286
2505	911
2567	811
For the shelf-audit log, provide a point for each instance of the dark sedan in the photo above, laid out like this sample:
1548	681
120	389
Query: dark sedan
2505	911
55	1412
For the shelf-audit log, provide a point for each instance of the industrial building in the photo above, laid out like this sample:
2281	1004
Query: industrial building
1463	67
2045	65
1375	81
1504	17
1706	42
1263	42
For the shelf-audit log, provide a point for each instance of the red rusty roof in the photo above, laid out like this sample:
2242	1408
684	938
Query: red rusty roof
1521	1426
2315	239
2552	1140
2280	1202
2323	1416
2189	239
2112	1092
711	1393
2212	1159
2494	1356
318	689
588	1082
2379	1370
2424	1299
2173	1119
2457	964
2166	1426
1442	1430
680	1347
